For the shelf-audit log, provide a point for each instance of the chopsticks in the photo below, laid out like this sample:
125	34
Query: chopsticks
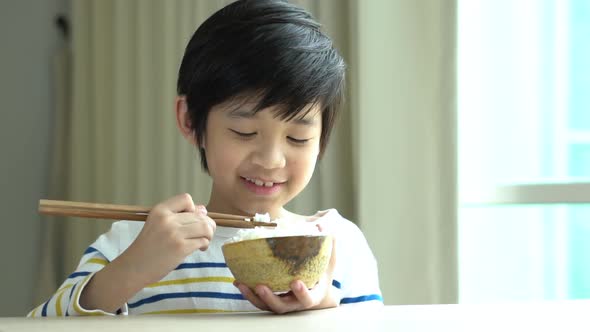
132	212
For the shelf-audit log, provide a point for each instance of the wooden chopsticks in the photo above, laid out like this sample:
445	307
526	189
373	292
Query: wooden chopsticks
132	212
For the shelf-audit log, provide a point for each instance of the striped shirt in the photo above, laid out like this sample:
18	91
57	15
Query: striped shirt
203	283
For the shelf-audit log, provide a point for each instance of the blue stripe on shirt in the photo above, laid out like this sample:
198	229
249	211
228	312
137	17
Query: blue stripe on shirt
78	274
363	298
89	250
336	284
68	307
72	292
199	265
44	311
164	296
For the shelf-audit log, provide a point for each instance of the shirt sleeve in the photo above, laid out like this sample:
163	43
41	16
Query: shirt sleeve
66	300
356	275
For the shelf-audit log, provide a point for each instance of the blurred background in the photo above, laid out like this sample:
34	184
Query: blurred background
463	149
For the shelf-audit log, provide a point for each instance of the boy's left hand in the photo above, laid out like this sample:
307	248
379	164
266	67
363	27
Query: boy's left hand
299	298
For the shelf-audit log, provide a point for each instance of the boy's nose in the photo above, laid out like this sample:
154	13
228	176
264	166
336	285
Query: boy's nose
269	156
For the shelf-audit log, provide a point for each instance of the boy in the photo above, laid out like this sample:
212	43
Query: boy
258	91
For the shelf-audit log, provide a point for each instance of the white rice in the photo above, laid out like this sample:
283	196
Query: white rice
285	227
259	217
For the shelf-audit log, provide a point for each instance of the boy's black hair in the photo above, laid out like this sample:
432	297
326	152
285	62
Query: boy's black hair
270	49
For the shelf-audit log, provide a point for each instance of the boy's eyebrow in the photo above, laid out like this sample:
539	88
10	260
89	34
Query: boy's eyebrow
304	121
241	113
249	114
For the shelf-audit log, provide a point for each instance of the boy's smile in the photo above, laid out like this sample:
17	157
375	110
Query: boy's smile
259	162
262	187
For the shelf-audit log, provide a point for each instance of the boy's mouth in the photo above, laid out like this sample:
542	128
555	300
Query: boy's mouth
261	187
261	183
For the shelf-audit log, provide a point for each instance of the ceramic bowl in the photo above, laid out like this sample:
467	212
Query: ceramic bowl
277	261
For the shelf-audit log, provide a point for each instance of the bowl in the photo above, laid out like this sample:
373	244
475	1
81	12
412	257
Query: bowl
277	261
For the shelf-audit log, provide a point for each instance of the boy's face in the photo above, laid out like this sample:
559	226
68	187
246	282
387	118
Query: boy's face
258	162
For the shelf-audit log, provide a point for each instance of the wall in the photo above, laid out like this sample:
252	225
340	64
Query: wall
29	38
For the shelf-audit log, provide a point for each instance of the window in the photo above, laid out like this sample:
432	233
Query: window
524	149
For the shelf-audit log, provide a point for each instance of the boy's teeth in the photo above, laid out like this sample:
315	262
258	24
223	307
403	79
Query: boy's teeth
260	182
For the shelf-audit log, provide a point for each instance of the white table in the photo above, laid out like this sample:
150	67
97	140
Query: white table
539	316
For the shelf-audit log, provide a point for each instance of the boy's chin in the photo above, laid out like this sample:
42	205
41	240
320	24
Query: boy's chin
253	208
258	209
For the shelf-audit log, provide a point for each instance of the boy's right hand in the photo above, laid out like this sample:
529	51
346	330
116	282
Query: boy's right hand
173	230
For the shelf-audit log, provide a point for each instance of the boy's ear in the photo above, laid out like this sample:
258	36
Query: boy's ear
183	121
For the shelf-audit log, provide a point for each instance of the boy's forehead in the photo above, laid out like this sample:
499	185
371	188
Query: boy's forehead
308	115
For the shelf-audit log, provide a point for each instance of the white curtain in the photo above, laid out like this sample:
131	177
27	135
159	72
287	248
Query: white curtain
51	265
403	69
389	166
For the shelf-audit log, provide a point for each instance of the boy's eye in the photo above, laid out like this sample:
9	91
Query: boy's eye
241	134
297	141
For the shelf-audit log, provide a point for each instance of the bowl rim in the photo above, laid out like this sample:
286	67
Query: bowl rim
275	237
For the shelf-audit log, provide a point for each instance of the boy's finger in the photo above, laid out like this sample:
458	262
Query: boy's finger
277	304
304	296
250	296
179	203
201	243
198	228
184	218
332	263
